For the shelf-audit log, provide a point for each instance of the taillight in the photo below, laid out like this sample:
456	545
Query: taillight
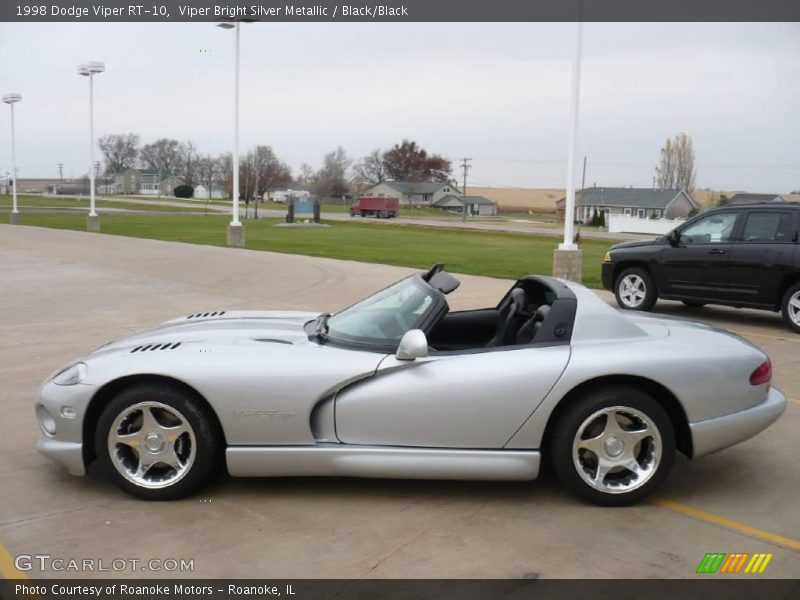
763	374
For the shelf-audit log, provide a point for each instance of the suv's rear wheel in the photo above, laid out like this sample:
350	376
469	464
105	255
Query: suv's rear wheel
790	307
635	289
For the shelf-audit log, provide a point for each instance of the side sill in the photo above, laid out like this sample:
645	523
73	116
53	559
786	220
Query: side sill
340	460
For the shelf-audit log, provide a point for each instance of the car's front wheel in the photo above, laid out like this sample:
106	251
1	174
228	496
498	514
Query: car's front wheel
612	447
157	442
790	307
635	289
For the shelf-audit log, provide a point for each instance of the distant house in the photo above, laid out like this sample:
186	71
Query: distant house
201	192
644	203
286	195
413	192
743	198
148	182
475	205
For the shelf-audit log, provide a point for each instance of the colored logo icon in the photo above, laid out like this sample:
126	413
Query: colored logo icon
734	563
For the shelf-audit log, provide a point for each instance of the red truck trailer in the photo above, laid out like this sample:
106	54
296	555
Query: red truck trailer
377	206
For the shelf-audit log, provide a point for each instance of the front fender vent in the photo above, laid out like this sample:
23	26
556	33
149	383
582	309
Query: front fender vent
151	347
216	313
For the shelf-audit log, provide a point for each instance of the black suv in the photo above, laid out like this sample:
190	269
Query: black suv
742	256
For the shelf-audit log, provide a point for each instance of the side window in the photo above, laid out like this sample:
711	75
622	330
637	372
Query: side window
768	227
713	229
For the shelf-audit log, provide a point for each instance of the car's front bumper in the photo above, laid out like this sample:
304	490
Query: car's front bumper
65	445
608	275
716	434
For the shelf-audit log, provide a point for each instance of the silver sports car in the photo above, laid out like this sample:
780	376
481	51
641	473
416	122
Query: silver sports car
399	386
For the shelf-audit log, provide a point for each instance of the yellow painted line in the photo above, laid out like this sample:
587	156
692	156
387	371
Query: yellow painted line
795	400
7	568
695	513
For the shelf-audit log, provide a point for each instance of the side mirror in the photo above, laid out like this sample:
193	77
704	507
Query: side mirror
414	345
673	237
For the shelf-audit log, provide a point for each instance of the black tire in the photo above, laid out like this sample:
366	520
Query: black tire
567	423
793	293
650	292
209	441
693	303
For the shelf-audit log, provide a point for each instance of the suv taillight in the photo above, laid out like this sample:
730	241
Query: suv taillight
763	374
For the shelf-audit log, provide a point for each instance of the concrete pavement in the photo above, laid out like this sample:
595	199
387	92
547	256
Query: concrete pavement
64	292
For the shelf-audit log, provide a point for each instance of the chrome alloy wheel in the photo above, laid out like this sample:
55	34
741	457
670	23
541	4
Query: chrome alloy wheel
793	308
632	290
617	449
152	445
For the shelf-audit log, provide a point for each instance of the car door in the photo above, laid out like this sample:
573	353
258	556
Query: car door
472	399
761	256
694	265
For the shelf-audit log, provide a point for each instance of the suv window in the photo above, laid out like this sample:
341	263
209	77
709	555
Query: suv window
713	229
768	227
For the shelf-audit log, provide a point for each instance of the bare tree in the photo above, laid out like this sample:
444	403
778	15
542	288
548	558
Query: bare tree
306	174
371	169
120	150
269	170
225	168
676	169
331	179
208	174
163	154
189	158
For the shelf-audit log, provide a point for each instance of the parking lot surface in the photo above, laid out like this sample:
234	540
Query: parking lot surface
63	293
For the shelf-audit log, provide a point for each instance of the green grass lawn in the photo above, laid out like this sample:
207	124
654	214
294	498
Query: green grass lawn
494	254
29	201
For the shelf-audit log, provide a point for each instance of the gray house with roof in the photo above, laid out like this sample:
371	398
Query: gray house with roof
644	203
474	205
424	193
144	181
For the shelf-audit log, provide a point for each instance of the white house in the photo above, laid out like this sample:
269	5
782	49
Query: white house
201	192
286	195
643	203
412	192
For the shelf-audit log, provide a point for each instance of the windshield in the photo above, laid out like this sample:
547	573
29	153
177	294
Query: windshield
385	316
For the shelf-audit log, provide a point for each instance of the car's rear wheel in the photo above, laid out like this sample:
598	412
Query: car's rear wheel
613	447
693	303
635	289
790	307
157	442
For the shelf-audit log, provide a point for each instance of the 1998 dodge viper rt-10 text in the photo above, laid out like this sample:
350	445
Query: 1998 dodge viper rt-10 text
397	385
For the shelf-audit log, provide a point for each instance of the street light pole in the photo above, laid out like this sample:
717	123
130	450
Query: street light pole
235	229
568	258
11	100
89	70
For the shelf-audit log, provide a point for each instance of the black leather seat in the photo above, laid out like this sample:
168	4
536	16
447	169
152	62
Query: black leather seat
509	319
527	333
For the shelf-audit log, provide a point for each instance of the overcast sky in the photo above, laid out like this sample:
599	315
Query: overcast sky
498	93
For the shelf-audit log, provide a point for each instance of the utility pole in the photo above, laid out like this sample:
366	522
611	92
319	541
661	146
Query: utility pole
465	165
583	178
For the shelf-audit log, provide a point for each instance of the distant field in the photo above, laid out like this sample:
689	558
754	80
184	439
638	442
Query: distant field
492	254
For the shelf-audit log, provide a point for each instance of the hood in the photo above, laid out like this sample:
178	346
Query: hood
221	327
636	244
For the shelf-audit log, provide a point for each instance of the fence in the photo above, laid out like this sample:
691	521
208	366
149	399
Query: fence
628	224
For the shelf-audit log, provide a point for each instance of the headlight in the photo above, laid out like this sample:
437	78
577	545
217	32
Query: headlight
71	375
607	257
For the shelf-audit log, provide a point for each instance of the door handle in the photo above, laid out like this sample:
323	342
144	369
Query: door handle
716	251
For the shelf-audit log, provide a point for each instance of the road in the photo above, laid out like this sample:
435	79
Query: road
64	292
